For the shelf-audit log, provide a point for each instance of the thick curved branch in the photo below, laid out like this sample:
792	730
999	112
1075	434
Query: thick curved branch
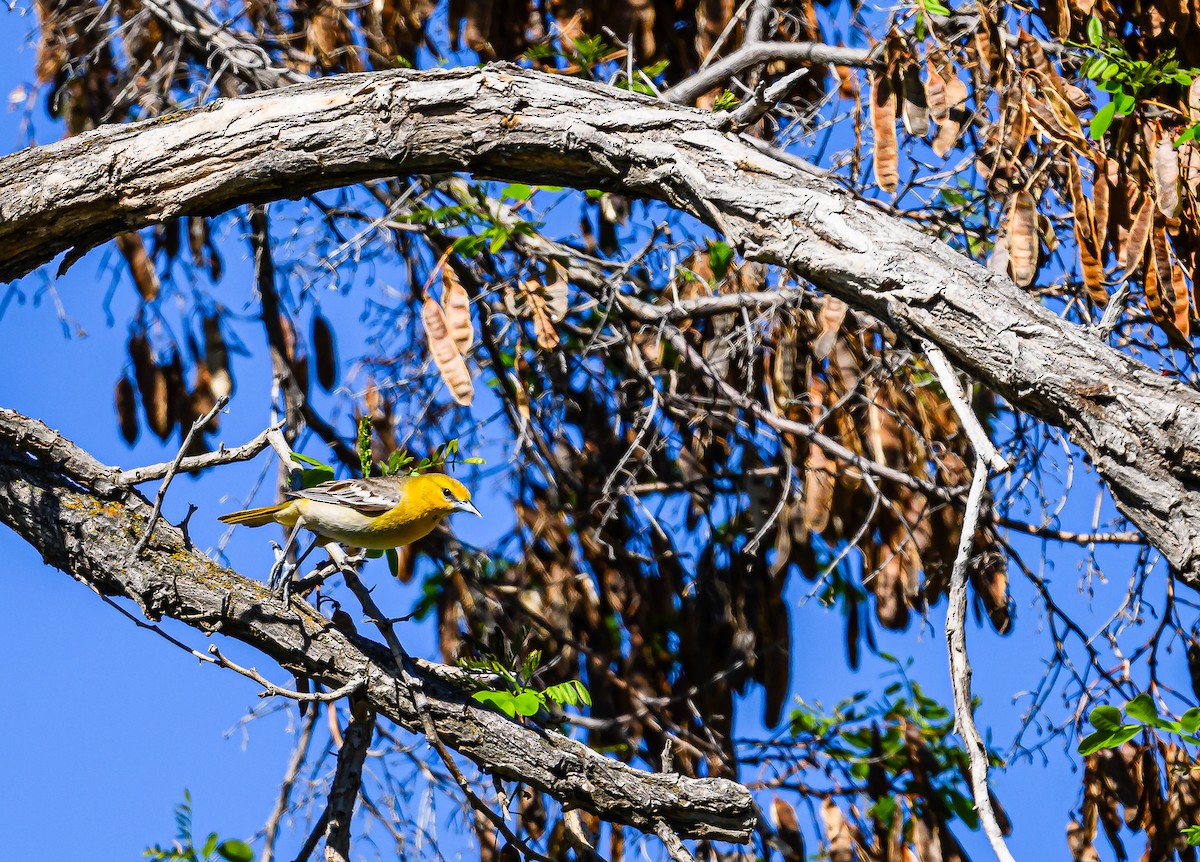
1141	430
49	495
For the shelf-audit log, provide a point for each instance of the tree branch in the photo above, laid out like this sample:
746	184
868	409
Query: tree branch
88	534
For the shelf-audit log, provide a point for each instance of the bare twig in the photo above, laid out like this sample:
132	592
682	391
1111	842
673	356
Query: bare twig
970	422
755	108
197	462
272	690
816	53
162	489
960	665
299	753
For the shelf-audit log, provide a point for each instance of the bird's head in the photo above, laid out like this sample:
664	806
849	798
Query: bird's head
443	493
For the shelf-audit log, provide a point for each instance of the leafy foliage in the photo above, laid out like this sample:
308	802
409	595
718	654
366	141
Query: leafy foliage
184	850
519	697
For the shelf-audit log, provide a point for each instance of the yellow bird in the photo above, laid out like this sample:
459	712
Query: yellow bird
377	513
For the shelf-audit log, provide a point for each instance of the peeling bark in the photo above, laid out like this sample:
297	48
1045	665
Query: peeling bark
65	504
1141	431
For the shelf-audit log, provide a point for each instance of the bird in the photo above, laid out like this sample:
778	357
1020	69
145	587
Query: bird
376	514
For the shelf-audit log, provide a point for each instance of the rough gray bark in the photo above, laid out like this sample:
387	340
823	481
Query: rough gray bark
1142	431
67	505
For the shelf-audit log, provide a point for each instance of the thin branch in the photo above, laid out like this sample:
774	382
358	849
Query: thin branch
162	489
814	53
193	463
272	690
960	665
954	393
299	754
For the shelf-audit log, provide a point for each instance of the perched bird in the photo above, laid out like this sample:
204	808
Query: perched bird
376	514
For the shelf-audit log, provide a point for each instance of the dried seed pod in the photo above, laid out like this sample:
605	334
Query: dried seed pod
837	833
1135	242
787	828
537	307
457	306
216	356
152	385
324	352
445	353
197	228
127	410
830	319
1166	177
883	123
141	268
1023	242
916	108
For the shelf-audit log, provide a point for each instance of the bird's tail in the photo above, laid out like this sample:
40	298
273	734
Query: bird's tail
254	517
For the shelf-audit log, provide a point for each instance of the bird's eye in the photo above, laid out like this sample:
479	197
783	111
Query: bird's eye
448	494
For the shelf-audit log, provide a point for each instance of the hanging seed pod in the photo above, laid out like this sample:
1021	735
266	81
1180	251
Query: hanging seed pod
216	356
141	268
538	307
324	352
883	124
197	228
457	306
916	108
127	410
787	827
445	353
1166	177
1023	243
152	385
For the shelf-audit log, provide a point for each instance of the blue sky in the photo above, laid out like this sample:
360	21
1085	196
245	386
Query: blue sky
107	723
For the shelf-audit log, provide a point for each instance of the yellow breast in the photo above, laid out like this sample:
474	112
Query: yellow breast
398	526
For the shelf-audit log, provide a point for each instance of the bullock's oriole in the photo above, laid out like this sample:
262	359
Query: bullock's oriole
375	514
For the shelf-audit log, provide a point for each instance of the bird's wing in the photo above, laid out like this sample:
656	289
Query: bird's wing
369	496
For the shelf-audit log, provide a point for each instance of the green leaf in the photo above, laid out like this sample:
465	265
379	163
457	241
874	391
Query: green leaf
1190	720
235	851
393	562
1095	31
883	809
1102	121
727	101
1125	103
501	700
1142	708
210	845
933	7
315	476
964	809
304	459
527	702
720	256
517	191
469	246
499	238
1093	742
1192	835
1105	718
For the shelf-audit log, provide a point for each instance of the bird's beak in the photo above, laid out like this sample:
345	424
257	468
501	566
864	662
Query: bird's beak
468	506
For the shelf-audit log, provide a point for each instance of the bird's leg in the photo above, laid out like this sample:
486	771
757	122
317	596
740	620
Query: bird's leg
277	577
